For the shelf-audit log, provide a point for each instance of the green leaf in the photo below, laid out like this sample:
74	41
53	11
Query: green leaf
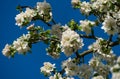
19	8
79	28
73	25
48	31
12	54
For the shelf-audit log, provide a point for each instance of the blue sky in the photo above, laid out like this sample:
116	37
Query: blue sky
28	67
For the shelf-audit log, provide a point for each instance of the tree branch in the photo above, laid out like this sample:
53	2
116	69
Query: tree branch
112	44
85	53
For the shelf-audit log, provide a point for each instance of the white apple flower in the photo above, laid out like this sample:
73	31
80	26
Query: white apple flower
115	71
44	10
85	71
86	26
25	17
85	7
56	30
21	44
20	18
70	42
56	76
70	67
47	68
75	2
118	59
109	25
101	49
116	75
42	6
6	51
98	77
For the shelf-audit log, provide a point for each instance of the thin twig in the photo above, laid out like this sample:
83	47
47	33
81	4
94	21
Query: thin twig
89	37
110	38
53	21
48	24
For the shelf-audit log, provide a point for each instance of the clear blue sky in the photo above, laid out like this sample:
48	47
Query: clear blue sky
28	67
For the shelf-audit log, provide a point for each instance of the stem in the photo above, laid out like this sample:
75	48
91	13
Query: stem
39	18
48	24
20	8
45	22
83	59
43	38
53	21
89	37
110	38
62	71
26	7
77	54
112	44
92	31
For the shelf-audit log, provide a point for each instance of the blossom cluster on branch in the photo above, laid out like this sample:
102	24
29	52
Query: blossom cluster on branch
69	39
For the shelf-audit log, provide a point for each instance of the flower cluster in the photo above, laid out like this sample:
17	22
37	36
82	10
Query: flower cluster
85	71
41	12
70	42
115	69
109	25
86	26
25	17
85	8
56	30
21	45
96	6
73	69
44	10
117	19
101	47
99	67
94	62
70	67
108	13
47	68
100	5
75	2
7	50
